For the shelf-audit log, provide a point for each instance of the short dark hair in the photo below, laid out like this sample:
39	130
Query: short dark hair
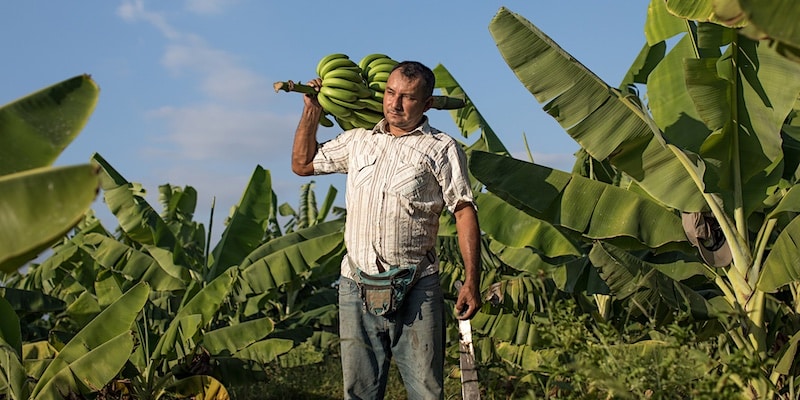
414	70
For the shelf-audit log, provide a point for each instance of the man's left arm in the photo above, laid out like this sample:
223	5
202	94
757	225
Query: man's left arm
469	241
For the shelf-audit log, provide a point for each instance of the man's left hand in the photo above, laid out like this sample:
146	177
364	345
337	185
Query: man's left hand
468	302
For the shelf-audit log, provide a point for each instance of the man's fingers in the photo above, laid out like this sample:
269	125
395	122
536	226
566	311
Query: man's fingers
466	310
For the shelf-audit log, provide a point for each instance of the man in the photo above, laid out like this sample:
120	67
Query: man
401	176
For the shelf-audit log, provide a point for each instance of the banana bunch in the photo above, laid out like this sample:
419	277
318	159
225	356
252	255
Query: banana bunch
375	69
344	94
353	93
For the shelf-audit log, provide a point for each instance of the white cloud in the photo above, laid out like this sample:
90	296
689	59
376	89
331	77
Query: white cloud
217	132
133	11
221	78
229	122
213	143
208	6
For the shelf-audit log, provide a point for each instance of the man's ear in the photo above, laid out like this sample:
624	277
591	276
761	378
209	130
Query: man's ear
429	103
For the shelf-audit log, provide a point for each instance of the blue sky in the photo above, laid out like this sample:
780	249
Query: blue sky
186	85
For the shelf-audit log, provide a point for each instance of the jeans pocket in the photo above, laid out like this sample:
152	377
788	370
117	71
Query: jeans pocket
348	287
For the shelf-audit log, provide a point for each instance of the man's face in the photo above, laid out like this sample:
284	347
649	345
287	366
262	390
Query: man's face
404	102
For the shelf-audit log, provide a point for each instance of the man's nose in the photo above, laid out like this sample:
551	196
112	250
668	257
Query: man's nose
396	103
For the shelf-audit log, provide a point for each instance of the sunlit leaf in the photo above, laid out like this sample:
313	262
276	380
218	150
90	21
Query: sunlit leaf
39	206
35	129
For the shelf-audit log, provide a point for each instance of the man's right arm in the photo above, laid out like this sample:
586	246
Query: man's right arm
305	137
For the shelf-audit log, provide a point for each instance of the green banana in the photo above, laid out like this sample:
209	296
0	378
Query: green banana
378	86
333	108
339	93
378	77
381	62
358	88
369	116
369	58
377	64
327	59
324	121
354	105
344	124
336	63
384	67
350	74
371	104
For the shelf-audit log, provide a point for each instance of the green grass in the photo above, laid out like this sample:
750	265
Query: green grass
323	381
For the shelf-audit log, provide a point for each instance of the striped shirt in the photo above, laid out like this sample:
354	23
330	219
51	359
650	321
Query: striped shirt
396	190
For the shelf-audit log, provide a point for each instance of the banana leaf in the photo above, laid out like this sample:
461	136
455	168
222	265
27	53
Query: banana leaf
133	264
670	103
83	309
781	266
594	209
523	259
9	328
36	357
661	24
12	373
25	302
293	256
97	352
744	97
87	373
777	18
517	229
527	358
468	118
35	129
518	328
248	222
197	387
604	121
194	314
233	338
629	276
13	377
126	201
266	351
788	356
774	20
289	258
39	206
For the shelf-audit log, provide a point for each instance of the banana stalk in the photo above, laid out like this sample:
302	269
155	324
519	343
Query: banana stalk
439	102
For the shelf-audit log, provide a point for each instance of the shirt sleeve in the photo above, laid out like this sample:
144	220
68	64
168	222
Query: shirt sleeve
333	156
454	177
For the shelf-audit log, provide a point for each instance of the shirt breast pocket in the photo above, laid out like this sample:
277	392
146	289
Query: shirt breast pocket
408	180
363	169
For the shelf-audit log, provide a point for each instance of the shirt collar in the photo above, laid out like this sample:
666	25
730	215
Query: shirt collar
423	128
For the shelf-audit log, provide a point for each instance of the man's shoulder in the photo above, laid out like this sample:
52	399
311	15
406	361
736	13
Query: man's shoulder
444	139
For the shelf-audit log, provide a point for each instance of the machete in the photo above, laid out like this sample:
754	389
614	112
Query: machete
466	358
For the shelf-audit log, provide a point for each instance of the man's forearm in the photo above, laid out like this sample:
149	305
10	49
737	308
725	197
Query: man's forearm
469	241
305	141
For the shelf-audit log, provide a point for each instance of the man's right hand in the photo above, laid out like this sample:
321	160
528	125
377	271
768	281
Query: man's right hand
311	100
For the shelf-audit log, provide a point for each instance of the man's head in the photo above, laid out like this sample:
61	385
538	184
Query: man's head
408	95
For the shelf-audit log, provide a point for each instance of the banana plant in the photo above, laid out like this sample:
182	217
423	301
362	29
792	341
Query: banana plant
195	290
40	203
715	137
86	363
774	24
208	311
308	214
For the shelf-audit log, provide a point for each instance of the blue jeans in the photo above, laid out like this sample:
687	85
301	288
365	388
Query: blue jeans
413	336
